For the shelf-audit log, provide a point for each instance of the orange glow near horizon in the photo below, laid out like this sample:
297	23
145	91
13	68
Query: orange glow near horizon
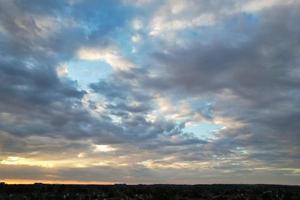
72	182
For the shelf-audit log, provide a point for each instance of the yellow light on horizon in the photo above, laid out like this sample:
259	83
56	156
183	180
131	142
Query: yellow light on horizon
15	160
73	182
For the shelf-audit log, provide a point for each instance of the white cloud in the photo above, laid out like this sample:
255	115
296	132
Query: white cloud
103	148
176	15
136	38
257	5
137	24
108	55
62	70
161	24
180	111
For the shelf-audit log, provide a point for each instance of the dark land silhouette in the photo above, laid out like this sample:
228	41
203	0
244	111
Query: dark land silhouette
40	191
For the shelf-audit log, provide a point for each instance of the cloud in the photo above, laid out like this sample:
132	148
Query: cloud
103	148
109	55
36	100
161	25
233	65
137	24
249	80
62	70
173	17
254	5
136	38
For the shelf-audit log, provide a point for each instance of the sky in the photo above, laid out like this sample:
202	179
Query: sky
150	91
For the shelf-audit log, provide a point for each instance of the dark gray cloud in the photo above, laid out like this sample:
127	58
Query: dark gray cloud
132	104
259	73
34	99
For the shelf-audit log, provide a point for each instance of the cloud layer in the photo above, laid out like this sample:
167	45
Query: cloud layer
188	91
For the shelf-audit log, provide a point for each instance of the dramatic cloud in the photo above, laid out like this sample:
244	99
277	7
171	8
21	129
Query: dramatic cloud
172	91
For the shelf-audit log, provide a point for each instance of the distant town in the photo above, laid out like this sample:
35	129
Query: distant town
39	191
